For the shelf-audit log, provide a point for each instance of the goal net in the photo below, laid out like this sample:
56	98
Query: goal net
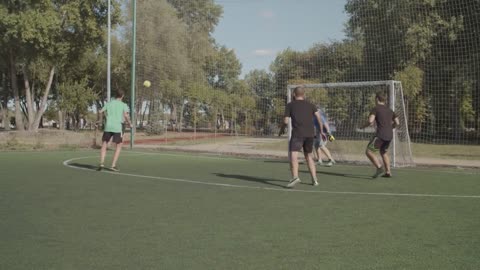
347	107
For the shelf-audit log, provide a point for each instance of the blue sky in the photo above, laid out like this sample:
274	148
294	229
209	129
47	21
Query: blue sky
258	29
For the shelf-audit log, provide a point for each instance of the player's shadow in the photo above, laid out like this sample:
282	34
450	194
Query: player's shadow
84	166
347	175
277	161
89	167
266	181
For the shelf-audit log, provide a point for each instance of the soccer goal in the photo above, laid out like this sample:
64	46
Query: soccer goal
347	106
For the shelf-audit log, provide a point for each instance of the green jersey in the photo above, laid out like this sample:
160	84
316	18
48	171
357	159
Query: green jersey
115	111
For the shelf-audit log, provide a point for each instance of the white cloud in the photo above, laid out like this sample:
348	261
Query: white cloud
267	14
264	52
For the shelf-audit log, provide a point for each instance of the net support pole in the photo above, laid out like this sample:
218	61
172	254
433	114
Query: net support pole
405	120
109	51
391	101
132	90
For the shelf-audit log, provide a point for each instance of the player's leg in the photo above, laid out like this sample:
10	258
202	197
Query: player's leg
103	151
307	150
373	148
327	153
317	150
117	139
294	164
386	159
295	146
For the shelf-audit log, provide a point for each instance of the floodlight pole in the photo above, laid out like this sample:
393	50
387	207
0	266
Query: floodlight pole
109	51
134	56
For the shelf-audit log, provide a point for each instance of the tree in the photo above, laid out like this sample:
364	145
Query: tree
223	68
438	38
75	98
262	86
199	15
47	34
412	79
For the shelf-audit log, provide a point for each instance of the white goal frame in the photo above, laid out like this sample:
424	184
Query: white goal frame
391	101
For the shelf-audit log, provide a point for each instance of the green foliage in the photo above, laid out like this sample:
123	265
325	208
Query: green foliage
41	37
75	97
201	15
223	68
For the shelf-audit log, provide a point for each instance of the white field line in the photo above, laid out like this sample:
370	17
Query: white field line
67	164
220	156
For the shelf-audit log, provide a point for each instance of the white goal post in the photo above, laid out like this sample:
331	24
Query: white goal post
347	106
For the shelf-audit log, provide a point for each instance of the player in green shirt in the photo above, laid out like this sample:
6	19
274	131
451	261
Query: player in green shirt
116	113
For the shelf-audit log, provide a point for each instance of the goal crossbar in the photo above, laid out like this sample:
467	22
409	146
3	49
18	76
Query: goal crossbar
344	84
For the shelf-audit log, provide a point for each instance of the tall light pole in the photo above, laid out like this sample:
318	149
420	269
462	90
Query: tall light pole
109	52
132	92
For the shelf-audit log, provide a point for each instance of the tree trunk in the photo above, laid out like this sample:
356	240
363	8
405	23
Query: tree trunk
5	120
61	121
194	121
222	119
138	112
180	124
246	124
16	95
144	113
173	115
43	103
150	110
215	124
29	99
4	103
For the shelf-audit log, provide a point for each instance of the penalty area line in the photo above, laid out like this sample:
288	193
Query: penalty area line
66	163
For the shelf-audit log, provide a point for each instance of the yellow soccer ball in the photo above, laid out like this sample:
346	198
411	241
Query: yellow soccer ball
147	84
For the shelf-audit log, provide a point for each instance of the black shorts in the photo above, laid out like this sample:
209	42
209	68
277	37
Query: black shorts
377	144
297	144
117	137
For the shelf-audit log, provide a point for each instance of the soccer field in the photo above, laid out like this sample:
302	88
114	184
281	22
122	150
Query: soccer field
181	211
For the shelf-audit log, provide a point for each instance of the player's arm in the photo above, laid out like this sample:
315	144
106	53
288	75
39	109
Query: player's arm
396	122
126	116
327	127
320	122
371	120
100	116
286	119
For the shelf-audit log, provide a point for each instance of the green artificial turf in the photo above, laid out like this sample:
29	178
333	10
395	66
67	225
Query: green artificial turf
180	211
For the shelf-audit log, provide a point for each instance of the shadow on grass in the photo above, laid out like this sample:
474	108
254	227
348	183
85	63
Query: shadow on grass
266	181
87	166
277	161
346	175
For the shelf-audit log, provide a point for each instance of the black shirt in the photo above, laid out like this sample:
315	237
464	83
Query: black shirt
301	112
384	118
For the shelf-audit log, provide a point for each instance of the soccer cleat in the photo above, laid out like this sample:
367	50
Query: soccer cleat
320	163
293	182
314	182
100	167
387	175
378	173
114	168
329	163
